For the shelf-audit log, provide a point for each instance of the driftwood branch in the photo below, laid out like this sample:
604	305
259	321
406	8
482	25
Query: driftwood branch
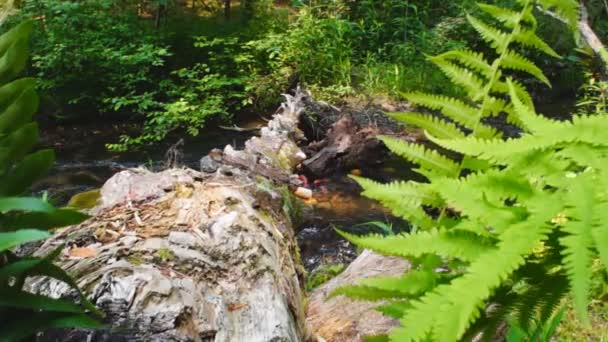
236	128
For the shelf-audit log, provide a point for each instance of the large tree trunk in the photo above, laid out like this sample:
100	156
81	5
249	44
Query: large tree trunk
184	255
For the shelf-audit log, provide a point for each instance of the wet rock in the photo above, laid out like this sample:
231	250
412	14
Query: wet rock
208	165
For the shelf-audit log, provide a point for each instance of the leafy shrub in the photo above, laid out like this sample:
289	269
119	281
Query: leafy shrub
27	219
505	228
216	88
94	54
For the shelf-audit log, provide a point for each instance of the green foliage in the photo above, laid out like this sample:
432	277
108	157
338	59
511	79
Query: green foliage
85	58
322	275
26	219
513	225
541	332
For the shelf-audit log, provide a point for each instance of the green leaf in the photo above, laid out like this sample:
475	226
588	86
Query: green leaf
26	300
496	38
17	145
30	169
428	159
20	111
432	124
457	244
19	329
24	204
515	61
14	239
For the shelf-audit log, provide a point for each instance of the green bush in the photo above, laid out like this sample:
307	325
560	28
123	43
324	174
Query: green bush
95	56
27	219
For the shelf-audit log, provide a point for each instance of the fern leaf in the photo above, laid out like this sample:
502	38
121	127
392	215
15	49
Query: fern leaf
454	109
432	124
395	309
461	76
599	231
515	61
468	292
412	284
494	106
413	193
496	38
426	158
530	39
585	155
447	244
473	60
508	17
480	197
520	90
526	114
404	199
577	243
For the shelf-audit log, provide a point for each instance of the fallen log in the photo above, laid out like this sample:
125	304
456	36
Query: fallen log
347	145
183	255
340	319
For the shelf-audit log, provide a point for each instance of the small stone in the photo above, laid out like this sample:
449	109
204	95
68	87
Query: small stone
208	165
303	193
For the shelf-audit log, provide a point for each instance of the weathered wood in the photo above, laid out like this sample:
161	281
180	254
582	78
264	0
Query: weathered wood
184	255
340	319
347	145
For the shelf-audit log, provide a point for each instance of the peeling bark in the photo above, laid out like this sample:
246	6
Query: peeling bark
184	255
346	146
340	319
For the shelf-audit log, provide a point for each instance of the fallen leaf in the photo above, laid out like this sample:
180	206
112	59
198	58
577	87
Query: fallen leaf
83	252
236	306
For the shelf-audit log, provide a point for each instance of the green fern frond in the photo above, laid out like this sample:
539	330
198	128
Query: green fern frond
508	17
455	109
515	61
580	197
394	309
526	115
472	84
419	154
413	193
540	300
530	39
497	38
406	207
432	124
461	245
472	198
599	231
520	90
473	60
412	284
453	316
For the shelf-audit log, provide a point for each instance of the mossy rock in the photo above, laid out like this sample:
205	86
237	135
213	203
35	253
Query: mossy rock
85	200
322	275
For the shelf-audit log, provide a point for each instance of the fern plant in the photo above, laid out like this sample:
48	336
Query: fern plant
507	228
28	219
